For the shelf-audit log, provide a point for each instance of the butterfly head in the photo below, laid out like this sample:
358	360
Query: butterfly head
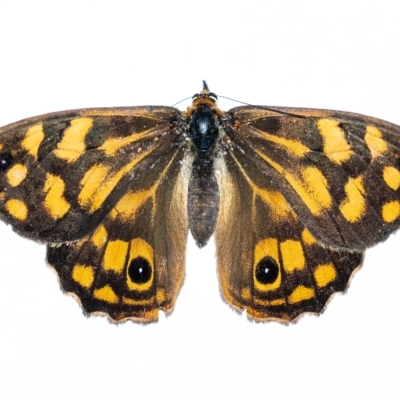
205	97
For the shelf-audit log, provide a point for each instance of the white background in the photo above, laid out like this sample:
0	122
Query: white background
72	54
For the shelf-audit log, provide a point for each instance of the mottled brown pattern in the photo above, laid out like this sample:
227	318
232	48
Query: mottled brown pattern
294	196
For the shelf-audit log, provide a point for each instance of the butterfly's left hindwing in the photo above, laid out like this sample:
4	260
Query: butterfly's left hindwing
133	264
106	188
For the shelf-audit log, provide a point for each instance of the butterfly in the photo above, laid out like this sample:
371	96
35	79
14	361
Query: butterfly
293	196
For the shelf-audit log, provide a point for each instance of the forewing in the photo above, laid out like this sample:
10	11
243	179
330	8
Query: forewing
62	173
339	172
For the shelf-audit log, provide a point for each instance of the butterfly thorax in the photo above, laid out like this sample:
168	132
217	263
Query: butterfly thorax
203	130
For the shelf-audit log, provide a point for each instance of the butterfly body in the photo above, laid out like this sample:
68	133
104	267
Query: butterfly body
293	196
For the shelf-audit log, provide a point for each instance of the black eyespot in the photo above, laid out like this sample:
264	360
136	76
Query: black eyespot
139	270
267	271
5	161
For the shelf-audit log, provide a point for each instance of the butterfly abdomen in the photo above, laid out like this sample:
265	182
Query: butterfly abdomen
203	200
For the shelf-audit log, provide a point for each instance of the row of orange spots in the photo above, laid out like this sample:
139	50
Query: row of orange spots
292	259
33	138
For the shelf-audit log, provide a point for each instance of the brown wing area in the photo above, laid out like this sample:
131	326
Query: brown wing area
62	173
133	264
339	172
269	263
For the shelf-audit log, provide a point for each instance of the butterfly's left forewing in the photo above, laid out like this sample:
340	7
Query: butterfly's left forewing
105	187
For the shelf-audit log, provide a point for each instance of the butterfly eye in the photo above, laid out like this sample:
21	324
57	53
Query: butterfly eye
139	270
195	96
267	271
213	96
5	161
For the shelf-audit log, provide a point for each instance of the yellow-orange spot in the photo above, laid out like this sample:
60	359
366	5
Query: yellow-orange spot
336	147
115	255
246	293
111	146
83	275
1	146
391	176
17	209
130	203
316	184
91	182
16	174
33	138
72	145
324	274
301	293
55	202
391	211
294	146
313	188
307	237
353	206
275	200
140	248
97	185
99	238
275	302
132	302
266	248
160	296
373	137
106	294
292	255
